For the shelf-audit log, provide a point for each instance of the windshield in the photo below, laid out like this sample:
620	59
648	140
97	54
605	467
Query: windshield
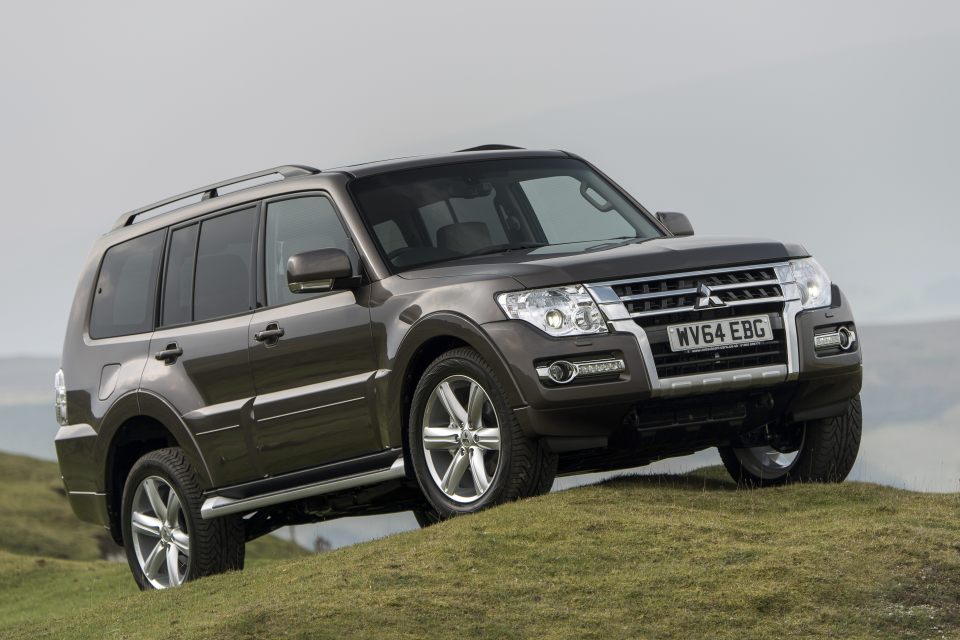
448	212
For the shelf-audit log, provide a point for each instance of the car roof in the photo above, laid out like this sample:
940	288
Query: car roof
488	152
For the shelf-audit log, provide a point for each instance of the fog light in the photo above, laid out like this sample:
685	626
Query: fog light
843	339
562	371
847	338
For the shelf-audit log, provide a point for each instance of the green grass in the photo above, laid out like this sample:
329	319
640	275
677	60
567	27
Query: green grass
50	562
662	557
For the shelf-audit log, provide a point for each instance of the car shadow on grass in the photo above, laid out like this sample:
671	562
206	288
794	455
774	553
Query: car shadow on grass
712	478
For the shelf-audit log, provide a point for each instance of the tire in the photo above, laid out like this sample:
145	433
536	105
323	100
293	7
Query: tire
426	517
162	482
520	467
827	452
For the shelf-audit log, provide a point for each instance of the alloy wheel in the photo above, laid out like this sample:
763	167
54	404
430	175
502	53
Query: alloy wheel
768	462
161	539
461	438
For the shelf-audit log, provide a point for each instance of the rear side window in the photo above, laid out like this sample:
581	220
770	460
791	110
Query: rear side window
225	256
295	226
123	302
178	280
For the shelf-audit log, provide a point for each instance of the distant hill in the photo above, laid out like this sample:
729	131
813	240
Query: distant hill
26	381
651	557
911	372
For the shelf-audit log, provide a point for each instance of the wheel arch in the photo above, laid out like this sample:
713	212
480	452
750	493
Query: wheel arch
137	424
424	342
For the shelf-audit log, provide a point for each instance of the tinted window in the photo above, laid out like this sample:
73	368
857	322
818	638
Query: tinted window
178	281
295	226
224	282
124	299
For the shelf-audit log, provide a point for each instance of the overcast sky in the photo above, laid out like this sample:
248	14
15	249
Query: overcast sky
833	124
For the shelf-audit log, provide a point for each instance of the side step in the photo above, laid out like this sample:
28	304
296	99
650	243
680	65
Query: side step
221	505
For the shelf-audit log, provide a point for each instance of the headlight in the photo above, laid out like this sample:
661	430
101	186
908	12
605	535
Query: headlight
60	398
558	311
813	283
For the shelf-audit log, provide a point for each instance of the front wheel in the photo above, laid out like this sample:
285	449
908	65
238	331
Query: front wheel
166	540
815	451
467	448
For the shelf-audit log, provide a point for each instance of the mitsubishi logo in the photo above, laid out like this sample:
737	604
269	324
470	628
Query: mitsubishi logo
706	299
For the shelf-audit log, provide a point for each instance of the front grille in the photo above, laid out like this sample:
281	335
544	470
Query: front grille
671	294
655	303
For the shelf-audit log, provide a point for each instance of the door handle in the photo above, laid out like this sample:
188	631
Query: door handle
270	335
170	354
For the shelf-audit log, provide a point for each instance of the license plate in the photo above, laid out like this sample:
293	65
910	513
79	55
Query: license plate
719	334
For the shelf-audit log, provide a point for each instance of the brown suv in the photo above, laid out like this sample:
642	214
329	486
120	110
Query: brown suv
439	334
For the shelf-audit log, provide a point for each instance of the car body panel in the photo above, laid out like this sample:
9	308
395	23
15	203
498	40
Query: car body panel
211	388
314	401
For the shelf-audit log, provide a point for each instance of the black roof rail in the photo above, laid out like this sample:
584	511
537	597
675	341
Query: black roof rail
489	147
211	190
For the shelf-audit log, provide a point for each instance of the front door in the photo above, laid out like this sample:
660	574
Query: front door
311	354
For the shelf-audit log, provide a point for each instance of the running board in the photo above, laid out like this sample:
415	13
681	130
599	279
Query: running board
221	505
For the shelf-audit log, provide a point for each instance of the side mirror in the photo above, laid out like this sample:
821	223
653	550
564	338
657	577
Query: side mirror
677	223
320	270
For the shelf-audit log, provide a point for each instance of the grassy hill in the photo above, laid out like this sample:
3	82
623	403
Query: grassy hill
51	563
36	520
665	557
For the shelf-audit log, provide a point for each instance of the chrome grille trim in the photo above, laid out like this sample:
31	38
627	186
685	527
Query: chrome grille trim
687	292
733	303
620	319
687	274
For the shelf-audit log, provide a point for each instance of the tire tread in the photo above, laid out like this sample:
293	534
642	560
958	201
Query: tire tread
217	545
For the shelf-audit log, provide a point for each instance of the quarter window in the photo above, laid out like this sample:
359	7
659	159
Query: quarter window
123	302
178	280
295	226
224	284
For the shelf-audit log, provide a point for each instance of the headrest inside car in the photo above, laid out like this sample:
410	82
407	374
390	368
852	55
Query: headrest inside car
463	237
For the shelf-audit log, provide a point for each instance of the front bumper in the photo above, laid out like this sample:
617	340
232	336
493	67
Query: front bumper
815	385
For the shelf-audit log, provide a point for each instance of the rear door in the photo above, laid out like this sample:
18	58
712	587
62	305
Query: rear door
314	382
199	361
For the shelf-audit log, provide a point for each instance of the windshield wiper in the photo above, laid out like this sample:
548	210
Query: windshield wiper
606	243
501	248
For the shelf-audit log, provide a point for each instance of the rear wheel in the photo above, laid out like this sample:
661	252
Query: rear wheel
167	542
815	451
468	449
